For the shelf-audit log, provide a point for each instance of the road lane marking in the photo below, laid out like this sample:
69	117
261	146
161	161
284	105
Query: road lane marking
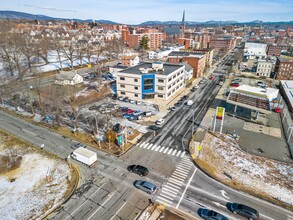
186	171
179	152
142	144
118	210
76	209
183	153
162	149
170	188
170	151
149	146
176	173
158	148
154	147
145	145
102	205
186	188
176	183
178	178
168	191
166	150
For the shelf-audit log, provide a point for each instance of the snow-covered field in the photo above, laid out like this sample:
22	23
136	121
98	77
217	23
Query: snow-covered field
262	176
25	192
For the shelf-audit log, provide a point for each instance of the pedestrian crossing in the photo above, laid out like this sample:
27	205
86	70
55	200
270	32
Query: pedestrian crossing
162	149
170	190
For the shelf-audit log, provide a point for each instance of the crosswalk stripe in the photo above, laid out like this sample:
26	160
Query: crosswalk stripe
158	147
174	186
183	167
182	170
166	196
179	152
289	217
162	149
176	182
142	144
153	147
163	201
183	153
178	178
183	175
186	163
180	175
145	145
173	178
170	151
149	146
169	191
174	152
170	188
166	150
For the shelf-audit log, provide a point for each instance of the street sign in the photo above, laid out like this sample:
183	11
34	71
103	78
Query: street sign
220	112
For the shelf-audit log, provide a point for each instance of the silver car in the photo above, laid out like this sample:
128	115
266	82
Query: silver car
146	186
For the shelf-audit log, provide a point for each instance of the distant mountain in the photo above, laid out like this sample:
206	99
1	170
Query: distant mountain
22	15
154	23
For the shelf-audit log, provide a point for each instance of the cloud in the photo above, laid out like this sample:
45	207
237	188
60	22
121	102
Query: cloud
49	8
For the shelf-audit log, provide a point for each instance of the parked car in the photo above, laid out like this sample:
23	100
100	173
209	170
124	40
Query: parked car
220	83
174	108
211	78
154	128
129	111
147	113
138	169
245	211
145	186
138	102
131	101
137	112
189	102
185	97
160	121
234	84
126	99
130	117
210	214
123	109
117	128
237	80
120	98
93	108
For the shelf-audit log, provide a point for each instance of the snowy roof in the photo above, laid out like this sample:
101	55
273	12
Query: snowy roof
288	89
63	75
256	90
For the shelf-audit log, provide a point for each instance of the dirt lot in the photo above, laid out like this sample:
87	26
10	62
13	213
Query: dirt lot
222	158
32	182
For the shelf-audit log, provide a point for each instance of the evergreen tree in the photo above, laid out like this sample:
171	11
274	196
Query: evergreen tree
144	43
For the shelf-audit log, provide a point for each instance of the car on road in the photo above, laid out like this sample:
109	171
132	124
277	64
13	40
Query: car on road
154	128
77	145
174	108
220	83
189	102
210	214
245	211
145	186
160	121
138	169
193	89
211	78
131	101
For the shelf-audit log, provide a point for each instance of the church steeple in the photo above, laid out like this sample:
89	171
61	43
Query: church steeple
183	25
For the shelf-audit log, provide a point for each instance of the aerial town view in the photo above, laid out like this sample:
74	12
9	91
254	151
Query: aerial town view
146	110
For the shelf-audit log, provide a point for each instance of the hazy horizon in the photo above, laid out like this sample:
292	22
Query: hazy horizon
135	12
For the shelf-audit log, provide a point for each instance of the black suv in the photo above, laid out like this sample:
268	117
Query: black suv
138	169
154	128
245	211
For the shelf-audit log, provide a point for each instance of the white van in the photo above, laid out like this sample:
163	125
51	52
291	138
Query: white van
189	102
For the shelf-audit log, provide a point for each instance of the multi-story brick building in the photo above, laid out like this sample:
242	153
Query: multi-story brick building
223	43
284	68
150	81
274	50
194	59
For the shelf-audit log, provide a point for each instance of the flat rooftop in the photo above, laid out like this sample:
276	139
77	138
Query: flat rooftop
288	89
186	54
167	68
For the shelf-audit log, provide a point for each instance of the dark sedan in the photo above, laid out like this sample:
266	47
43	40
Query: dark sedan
138	169
245	211
154	128
210	214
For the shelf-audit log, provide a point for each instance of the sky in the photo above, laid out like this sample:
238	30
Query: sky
138	11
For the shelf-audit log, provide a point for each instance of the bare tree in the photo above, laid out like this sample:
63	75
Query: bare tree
70	52
57	46
41	49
